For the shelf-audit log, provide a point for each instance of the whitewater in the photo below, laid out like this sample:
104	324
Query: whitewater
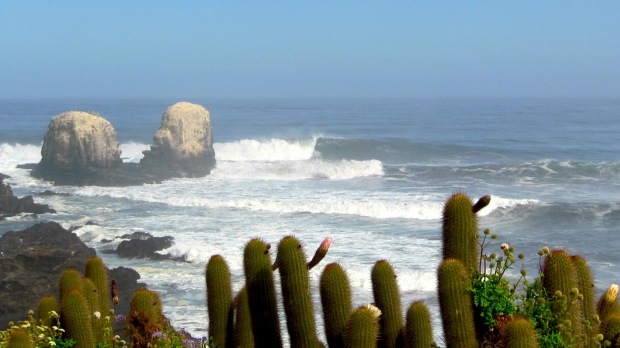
372	175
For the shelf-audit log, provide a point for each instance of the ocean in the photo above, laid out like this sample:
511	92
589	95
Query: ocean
371	174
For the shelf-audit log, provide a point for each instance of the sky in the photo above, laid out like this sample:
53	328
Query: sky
309	49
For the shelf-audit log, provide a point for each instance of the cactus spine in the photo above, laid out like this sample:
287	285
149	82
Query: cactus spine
261	294
219	301
243	336
387	299
336	302
46	305
77	319
295	284
19	339
456	306
96	271
418	327
362	329
460	228
519	333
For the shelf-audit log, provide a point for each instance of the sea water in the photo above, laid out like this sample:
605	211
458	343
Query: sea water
371	174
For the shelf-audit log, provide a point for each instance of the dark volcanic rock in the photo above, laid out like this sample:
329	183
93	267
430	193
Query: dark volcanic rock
31	262
11	205
145	248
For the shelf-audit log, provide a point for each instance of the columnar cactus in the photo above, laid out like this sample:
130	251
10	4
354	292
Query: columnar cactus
418	327
261	294
70	279
460	229
387	299
585	284
219	301
19	339
559	275
519	333
456	306
92	296
145	316
243	336
77	319
362	329
96	271
611	329
295	284
46	305
336	302
608	303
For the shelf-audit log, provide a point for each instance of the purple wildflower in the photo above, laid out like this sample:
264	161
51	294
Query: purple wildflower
158	334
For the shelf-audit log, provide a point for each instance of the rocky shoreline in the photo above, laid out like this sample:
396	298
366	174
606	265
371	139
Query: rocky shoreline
33	259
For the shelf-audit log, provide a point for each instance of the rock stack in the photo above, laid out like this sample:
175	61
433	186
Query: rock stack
80	148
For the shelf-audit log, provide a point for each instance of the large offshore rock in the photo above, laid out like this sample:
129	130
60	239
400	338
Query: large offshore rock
183	145
79	148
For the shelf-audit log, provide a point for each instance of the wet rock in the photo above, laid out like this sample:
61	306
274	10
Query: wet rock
145	248
10	205
31	262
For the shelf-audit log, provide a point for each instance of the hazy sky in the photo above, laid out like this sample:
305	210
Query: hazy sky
291	49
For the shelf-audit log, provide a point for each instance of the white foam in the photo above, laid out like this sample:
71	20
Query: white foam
268	150
14	154
498	202
132	152
297	170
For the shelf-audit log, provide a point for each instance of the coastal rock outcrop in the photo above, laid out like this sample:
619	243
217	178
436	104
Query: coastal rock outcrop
183	145
31	262
10	205
79	148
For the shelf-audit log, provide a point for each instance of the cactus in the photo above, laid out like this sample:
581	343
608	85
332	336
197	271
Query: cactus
91	294
145	316
295	284
336	302
96	271
611	329
362	330
219	301
77	319
387	299
19	339
243	336
518	332
608	303
46	305
418	327
585	284
261	294
456	306
559	275
460	228
70	279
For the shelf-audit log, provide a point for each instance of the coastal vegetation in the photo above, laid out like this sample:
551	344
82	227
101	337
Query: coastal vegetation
486	299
